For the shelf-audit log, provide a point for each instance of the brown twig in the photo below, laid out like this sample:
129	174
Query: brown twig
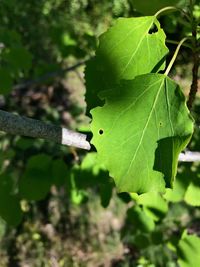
196	62
49	75
194	85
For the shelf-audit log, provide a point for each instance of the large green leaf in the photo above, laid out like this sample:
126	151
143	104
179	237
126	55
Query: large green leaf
140	131
189	251
126	50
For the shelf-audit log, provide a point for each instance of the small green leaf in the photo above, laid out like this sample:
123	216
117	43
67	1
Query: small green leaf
180	186
5	81
192	195
10	209
140	131
126	50
154	205
90	173
60	173
106	194
141	221
19	59
189	251
37	179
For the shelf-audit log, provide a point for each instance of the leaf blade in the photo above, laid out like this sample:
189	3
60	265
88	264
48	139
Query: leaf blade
126	50
137	127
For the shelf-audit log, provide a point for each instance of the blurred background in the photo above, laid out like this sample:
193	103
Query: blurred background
58	207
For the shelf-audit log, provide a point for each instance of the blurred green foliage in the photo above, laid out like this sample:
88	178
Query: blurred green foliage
69	218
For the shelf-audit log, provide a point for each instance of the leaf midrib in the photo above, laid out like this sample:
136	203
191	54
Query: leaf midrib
135	51
123	39
144	130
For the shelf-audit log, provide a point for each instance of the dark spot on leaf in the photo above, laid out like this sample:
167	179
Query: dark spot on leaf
101	131
160	124
153	29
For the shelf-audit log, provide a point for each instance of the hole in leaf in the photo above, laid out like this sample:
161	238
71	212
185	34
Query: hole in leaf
100	131
153	29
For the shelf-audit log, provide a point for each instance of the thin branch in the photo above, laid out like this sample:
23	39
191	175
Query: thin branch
17	125
196	62
48	76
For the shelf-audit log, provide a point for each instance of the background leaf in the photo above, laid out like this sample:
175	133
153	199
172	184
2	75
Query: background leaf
10	209
5	81
36	180
188	251
154	205
147	7
177	193
193	192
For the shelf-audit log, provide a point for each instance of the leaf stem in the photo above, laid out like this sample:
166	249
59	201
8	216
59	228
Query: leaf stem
176	43
172	8
166	9
175	55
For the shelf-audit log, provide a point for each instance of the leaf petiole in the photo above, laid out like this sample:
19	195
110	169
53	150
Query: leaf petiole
172	8
176	43
175	55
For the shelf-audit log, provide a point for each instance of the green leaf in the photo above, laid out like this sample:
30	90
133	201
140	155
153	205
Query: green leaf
126	50
92	174
37	179
19	59
106	194
180	186
192	195
186	186
60	173
147	7
10	209
140	131
142	241
189	251
141	221
5	81
77	196
9	38
153	204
